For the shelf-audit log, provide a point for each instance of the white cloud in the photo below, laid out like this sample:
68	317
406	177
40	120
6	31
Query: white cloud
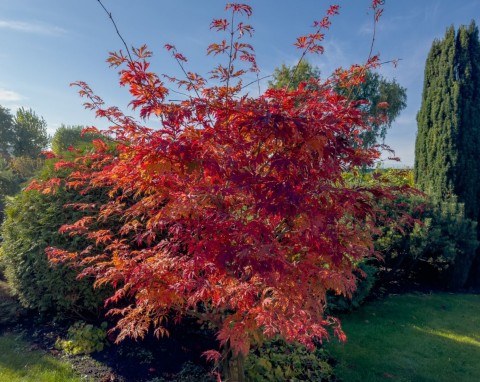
31	27
9	96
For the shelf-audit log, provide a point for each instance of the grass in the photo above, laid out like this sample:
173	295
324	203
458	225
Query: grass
19	363
415	338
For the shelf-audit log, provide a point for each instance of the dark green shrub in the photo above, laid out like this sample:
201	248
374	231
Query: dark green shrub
31	225
9	184
14	174
366	279
422	242
10	310
435	251
279	361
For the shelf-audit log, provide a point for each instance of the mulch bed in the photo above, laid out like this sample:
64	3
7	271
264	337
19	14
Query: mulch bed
131	361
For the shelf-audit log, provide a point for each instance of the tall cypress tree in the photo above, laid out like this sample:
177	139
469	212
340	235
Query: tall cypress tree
436	144
447	148
468	114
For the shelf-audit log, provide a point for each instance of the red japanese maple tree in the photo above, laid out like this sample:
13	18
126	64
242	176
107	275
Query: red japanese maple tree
236	210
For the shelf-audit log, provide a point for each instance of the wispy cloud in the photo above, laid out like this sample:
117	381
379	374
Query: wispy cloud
390	23
32	27
9	96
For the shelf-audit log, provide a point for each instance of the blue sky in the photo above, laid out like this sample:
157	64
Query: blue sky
45	45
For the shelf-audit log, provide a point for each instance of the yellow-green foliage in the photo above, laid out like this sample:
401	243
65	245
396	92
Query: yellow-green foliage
83	338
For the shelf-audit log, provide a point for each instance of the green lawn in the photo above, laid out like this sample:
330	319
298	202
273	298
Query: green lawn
18	363
420	338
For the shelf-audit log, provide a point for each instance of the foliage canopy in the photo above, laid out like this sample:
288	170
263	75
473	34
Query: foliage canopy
236	211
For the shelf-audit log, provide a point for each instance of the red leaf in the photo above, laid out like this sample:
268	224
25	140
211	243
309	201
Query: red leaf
219	24
240	8
334	10
212	355
301	42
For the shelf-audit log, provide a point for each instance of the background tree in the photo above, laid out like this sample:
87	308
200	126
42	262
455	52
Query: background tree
67	136
386	99
447	147
22	138
9	184
6	132
292	76
30	134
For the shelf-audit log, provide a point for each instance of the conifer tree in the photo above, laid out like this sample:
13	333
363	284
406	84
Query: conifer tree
468	76
435	143
447	149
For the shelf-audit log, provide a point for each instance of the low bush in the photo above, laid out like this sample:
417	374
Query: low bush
366	280
278	360
422	243
83	338
436	251
32	221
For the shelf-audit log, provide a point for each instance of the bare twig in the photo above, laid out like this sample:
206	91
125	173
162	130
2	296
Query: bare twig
187	77
230	55
374	34
258	83
257	80
116	28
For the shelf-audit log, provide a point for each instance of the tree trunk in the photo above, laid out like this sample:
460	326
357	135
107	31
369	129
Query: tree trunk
232	366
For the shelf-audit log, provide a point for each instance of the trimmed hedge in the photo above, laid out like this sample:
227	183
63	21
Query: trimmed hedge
31	225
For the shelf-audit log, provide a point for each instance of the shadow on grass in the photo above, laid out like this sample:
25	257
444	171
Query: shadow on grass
415	338
19	361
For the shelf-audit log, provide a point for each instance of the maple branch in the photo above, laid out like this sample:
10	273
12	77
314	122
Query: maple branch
394	62
295	69
230	54
376	15
372	43
187	77
131	60
98	107
257	80
304	53
116	28
258	83
184	94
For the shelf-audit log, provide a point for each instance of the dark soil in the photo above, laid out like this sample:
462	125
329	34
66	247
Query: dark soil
148	360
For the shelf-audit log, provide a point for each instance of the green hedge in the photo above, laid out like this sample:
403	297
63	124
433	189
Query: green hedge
31	225
436	251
